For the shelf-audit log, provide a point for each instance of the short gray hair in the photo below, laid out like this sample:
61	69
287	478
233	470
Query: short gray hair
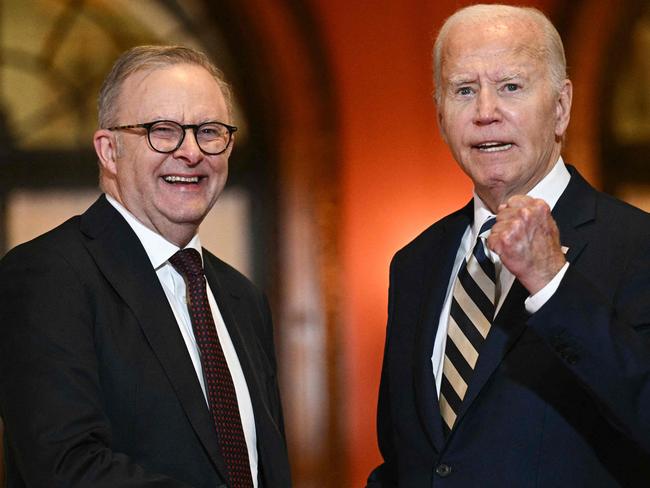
144	58
552	49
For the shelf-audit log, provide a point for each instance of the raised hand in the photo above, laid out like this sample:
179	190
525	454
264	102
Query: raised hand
527	240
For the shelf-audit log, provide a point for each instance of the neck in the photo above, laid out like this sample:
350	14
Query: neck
178	236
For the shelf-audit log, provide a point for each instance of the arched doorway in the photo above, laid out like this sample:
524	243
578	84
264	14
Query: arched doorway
609	140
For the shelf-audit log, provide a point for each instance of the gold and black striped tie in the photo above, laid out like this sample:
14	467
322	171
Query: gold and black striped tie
470	319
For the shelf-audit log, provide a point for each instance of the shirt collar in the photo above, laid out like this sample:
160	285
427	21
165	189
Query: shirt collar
549	189
158	249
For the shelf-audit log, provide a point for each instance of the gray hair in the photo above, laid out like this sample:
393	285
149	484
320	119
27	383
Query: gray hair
144	58
552	49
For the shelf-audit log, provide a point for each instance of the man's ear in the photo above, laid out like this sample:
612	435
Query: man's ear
106	147
563	108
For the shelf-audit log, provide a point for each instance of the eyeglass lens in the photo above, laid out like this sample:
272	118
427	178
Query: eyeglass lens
167	136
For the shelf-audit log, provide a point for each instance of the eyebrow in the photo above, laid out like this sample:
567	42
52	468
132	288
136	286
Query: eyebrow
510	76
462	80
500	78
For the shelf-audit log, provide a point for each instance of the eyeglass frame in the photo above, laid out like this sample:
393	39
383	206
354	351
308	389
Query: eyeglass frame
195	129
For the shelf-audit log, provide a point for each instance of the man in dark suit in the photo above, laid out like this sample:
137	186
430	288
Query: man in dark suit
109	375
516	356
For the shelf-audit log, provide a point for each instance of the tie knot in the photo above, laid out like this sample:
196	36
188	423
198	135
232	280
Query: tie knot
187	262
487	225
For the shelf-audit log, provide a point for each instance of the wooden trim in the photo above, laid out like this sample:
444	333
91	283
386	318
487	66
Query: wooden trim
281	74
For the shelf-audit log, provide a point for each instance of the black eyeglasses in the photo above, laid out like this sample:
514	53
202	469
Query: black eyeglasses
165	136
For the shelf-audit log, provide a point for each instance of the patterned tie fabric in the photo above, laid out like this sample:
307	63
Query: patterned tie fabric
218	381
470	319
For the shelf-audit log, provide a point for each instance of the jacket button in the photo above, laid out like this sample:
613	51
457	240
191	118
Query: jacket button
443	470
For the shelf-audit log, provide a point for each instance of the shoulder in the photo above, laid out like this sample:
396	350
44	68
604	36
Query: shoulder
68	241
585	203
64	242
621	231
617	212
51	270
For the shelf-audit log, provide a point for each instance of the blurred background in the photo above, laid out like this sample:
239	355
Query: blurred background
337	165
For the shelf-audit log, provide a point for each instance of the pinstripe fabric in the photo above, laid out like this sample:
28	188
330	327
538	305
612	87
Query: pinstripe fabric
470	319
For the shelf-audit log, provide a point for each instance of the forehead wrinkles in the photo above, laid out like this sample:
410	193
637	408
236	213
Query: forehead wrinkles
498	59
175	94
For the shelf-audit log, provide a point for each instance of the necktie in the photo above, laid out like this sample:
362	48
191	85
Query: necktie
220	388
470	319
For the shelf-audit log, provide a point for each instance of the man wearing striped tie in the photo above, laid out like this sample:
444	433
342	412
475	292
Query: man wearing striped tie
517	349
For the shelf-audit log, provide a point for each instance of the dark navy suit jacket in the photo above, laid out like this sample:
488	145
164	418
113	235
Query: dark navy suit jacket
559	398
97	388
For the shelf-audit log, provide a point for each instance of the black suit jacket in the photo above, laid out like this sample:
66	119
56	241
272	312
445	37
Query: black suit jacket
560	398
97	388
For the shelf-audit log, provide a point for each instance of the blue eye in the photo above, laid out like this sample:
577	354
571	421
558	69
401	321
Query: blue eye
465	90
511	87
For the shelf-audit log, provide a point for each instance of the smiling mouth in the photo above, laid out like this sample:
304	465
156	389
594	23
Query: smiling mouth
181	179
493	146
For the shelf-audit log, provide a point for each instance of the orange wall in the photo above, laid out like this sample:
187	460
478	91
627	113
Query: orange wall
397	175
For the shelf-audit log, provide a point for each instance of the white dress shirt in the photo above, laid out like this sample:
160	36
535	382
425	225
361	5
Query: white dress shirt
549	189
159	251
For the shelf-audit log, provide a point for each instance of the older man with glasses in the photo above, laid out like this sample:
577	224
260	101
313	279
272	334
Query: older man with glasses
130	355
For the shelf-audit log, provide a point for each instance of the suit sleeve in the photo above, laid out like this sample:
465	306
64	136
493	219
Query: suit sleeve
605	340
269	342
385	475
50	387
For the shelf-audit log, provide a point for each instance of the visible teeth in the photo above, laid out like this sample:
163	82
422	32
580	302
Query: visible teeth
494	146
181	179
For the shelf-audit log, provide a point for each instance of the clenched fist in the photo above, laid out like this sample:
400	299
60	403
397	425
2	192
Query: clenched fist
527	240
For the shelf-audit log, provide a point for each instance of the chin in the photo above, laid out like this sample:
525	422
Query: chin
190	217
496	173
184	214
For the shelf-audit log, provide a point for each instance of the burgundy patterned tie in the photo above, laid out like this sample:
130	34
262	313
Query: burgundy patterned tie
218	382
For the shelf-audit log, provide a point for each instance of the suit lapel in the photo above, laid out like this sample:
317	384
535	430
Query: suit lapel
125	264
439	267
575	207
249	352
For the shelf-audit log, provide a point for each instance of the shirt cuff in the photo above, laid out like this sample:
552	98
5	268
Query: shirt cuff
534	302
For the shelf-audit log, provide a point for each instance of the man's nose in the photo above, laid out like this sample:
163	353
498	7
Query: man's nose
189	149
487	107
